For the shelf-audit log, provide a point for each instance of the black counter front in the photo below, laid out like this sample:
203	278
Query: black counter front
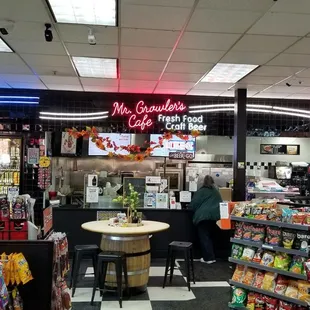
69	220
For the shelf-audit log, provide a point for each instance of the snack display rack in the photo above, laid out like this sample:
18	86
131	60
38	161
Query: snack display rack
264	246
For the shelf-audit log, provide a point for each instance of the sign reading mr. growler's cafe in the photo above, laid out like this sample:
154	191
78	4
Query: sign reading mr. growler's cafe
171	114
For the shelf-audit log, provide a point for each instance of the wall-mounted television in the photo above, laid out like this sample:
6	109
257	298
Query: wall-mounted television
120	139
175	144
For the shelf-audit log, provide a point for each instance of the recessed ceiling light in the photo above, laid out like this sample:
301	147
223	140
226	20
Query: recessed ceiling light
93	12
96	67
228	73
4	47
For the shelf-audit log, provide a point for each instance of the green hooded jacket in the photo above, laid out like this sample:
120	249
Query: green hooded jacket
206	205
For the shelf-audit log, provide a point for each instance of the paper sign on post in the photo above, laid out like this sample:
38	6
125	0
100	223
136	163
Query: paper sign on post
92	194
185	196
152	179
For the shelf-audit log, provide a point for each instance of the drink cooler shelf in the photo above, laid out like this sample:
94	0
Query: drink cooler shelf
266	268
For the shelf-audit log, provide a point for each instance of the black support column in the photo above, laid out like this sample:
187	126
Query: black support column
240	128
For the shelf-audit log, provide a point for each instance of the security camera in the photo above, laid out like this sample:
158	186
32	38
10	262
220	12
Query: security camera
288	84
6	26
48	34
91	37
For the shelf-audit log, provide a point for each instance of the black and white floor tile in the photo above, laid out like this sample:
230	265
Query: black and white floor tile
211	290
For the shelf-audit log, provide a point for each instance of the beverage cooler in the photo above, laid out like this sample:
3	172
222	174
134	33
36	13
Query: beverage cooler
10	164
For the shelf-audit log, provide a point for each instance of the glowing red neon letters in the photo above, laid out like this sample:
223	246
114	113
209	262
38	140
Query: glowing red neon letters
139	117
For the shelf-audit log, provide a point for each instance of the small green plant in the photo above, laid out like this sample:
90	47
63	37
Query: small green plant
130	199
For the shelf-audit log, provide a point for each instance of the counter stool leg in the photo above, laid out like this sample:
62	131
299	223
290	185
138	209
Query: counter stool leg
77	263
96	282
167	266
102	276
188	272
172	263
94	260
72	269
119	273
126	276
192	264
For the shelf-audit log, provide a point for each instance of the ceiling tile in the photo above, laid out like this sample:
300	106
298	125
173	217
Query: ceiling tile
99	82
37	85
153	17
263	44
271	95
299	96
204	92
138	90
140	75
296	81
142	65
190	55
171	91
247	57
149	38
87	50
284	89
4	85
177	3
137	84
188	67
79	33
104	89
54	79
64	87
168	76
21	78
50	70
294	60
236	5
304	74
281	71
10	59
228	93
301	47
20	69
262	80
213	86
42	60
282	24
147	53
175	85
222	21
296	6
256	88
36	47
33	10
208	41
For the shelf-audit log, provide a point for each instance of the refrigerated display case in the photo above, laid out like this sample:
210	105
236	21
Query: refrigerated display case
10	163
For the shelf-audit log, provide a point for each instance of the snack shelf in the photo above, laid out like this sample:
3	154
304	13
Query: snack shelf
268	293
270	223
269	247
266	268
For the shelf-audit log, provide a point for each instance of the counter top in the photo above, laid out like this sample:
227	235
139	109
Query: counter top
103	228
73	208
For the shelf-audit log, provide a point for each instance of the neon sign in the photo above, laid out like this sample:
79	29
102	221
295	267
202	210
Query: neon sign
184	122
140	116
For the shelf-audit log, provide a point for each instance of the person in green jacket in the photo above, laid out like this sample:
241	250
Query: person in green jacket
206	207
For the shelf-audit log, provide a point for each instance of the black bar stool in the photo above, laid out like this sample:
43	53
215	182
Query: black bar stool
187	249
117	258
80	252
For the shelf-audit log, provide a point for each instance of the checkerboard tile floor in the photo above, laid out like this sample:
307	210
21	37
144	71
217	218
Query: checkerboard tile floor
211	290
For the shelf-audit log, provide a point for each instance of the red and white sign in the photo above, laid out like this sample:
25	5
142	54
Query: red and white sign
141	115
47	219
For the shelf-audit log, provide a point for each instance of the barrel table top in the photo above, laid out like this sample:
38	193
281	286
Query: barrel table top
147	228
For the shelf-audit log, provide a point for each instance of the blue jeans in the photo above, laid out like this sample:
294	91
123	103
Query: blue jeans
204	233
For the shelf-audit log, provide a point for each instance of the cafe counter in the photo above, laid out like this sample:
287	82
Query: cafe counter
69	220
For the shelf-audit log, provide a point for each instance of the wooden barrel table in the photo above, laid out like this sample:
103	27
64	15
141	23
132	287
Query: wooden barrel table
135	242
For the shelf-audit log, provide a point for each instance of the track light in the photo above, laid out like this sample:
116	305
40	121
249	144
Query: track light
48	34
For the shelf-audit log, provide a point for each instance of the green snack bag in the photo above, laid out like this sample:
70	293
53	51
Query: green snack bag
236	251
239	297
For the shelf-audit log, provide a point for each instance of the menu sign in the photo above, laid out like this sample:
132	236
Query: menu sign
181	155
280	149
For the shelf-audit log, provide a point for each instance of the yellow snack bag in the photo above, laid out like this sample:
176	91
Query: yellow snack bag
303	289
269	281
23	268
6	268
17	278
12	269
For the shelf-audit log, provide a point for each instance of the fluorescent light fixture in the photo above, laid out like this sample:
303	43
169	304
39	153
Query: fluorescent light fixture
228	73
4	47
60	118
96	67
278	112
19	102
211	106
212	110
19	97
292	110
74	114
92	12
259	106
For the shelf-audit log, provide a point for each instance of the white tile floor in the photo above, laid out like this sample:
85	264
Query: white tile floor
170	293
130	305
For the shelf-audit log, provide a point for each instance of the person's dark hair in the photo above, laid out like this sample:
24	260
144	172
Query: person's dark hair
208	181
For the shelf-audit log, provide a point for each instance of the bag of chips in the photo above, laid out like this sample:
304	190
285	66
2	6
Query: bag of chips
248	254
271	303
273	236
247	232
282	261
281	285
249	276
238	230
297	265
251	301
258	280
268	259
269	281
23	268
292	289
303	291
236	251
288	238
298	218
302	241
259	302
239	297
258	233
238	209
283	305
239	273
4	300
258	256
287	215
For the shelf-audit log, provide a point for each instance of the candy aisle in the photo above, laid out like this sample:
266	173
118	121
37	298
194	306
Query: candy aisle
270	248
